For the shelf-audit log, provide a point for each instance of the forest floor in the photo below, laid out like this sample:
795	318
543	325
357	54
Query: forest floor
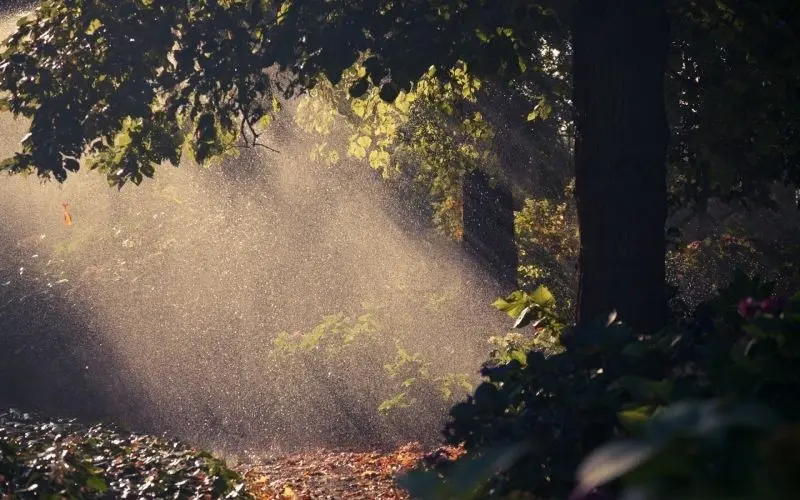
325	474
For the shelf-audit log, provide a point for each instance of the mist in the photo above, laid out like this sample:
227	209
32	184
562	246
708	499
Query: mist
155	307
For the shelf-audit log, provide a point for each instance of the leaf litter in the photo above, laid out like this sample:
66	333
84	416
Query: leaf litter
60	458
328	475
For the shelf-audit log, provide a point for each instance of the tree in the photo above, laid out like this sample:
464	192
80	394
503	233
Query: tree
126	85
620	57
732	93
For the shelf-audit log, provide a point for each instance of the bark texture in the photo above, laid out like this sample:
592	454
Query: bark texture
620	58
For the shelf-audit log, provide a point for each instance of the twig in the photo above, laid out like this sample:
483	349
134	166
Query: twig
266	147
246	121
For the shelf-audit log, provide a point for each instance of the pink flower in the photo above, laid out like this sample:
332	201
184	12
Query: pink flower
748	308
773	305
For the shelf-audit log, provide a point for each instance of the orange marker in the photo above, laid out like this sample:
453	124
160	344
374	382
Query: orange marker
67	216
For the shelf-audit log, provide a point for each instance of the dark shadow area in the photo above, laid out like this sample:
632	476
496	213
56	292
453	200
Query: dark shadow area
535	158
489	227
52	361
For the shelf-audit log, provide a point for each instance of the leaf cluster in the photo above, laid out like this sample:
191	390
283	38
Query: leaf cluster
731	89
129	84
339	342
605	381
62	459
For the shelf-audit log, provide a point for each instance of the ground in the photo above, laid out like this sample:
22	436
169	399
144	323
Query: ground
325	474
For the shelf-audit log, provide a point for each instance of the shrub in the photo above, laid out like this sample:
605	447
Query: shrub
339	342
700	450
62	459
548	243
538	413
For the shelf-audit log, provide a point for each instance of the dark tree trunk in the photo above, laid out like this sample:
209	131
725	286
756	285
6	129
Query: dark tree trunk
620	56
489	226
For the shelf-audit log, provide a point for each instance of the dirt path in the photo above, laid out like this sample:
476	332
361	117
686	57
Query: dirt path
331	475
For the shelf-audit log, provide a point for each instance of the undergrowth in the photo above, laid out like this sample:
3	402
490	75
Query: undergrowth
61	459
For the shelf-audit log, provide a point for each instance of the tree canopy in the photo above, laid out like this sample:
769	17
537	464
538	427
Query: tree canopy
129	82
125	86
87	71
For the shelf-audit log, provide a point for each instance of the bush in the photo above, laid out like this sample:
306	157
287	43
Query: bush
62	459
399	379
538	413
699	450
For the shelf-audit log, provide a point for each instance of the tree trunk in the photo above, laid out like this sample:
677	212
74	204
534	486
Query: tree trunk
489	227
620	56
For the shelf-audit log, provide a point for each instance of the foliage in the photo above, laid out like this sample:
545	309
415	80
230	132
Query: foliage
204	76
85	72
731	85
61	459
414	375
129	85
547	238
699	268
700	450
334	333
605	381
537	309
339	342
548	245
425	138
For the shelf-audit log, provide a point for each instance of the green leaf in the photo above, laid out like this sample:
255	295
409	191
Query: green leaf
96	483
519	356
513	305
542	297
525	317
633	418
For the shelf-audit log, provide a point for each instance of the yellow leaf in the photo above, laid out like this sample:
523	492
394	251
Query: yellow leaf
355	150
403	103
283	11
379	159
364	141
359	108
95	25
